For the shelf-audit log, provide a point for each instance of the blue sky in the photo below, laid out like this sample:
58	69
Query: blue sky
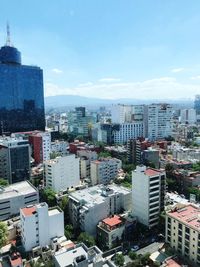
109	48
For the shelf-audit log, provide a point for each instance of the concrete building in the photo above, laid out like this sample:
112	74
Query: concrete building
14	159
130	119
89	206
14	197
188	116
159	121
110	231
148	191
81	256
41	146
59	147
135	149
39	225
151	156
104	170
86	156
183	231
62	173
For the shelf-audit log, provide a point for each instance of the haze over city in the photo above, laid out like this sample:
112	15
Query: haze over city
109	49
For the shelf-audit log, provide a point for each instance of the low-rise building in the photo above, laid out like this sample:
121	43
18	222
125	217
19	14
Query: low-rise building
183	231
110	231
62	173
89	206
39	225
81	256
16	196
148	191
104	170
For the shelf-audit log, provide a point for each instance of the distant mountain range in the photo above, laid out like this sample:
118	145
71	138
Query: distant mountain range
72	100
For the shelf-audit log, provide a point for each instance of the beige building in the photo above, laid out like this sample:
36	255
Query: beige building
104	170
183	232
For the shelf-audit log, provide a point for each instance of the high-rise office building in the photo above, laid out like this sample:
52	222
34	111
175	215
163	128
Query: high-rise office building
21	93
14	160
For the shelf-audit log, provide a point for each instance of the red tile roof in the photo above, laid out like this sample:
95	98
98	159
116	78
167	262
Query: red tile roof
28	211
151	172
112	221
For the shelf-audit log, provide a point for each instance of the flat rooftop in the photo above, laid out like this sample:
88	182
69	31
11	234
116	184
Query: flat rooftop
97	194
29	210
188	215
66	258
14	190
112	221
53	211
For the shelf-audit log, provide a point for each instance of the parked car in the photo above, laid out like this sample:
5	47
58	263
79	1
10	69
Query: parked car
135	248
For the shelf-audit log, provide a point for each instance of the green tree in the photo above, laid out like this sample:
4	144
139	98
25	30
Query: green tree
119	260
132	255
3	234
105	154
49	196
68	231
87	239
3	182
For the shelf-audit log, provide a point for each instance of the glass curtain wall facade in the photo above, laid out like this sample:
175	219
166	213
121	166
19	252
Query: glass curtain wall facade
21	94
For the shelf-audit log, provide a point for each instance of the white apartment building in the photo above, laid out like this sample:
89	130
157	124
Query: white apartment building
127	113
128	130
39	225
104	170
89	206
148	191
131	122
46	145
62	173
183	231
16	196
159	121
188	116
81	256
59	146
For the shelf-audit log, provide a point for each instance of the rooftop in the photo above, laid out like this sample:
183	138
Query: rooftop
14	190
152	172
112	221
188	215
97	194
29	210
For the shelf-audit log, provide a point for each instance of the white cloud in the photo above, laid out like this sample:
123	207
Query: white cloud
158	88
176	70
108	80
195	77
57	71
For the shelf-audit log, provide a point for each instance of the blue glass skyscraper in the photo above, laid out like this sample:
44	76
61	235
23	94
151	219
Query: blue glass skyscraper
21	93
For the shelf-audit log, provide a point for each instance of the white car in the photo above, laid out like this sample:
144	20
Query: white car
135	248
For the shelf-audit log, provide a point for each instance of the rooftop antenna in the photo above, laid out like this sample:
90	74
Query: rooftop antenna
8	42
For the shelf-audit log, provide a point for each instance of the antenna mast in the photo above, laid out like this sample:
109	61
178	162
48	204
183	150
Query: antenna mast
8	42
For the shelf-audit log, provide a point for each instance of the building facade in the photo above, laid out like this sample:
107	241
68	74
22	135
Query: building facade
39	225
104	170
150	184
21	93
159	121
87	207
183	232
41	146
62	173
14	160
14	197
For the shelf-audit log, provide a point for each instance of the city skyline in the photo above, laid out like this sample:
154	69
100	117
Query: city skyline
109	49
